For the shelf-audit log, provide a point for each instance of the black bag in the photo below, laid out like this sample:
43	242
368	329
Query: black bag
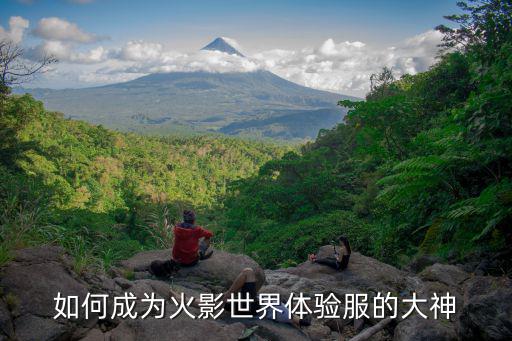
163	269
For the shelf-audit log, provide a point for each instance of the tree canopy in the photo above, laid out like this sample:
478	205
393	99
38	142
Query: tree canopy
423	165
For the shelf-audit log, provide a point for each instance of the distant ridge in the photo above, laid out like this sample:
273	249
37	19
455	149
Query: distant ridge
220	44
257	103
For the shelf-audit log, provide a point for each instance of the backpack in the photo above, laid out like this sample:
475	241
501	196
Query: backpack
163	269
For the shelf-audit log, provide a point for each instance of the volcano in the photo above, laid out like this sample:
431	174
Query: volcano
256	104
221	44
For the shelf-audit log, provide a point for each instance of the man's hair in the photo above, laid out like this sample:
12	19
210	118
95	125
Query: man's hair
189	216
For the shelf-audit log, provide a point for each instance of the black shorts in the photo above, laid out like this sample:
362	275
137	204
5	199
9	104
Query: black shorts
247	288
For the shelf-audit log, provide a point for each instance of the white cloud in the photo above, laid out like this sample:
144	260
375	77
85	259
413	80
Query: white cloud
345	67
211	61
62	39
234	43
342	67
152	57
65	52
139	51
329	47
62	30
17	27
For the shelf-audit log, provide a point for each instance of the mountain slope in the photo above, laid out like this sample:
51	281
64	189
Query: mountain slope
233	103
286	124
200	101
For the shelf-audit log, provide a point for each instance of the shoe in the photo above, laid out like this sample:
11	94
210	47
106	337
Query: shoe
203	256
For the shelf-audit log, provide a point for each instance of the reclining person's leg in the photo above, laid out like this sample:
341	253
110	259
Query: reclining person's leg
329	261
245	284
246	276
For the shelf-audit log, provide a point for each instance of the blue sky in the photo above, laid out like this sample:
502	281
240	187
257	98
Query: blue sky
258	26
276	23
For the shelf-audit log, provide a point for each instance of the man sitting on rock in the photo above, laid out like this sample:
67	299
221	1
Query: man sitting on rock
191	242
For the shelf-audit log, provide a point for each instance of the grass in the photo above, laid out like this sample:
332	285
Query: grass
5	254
128	274
12	301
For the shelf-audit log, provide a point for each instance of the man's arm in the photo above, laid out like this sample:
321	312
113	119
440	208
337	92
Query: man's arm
206	234
207	242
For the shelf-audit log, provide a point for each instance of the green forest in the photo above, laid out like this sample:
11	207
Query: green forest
105	195
421	166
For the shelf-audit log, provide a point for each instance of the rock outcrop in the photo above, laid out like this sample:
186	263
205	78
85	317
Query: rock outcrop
30	282
487	310
420	329
36	276
176	329
364	273
218	271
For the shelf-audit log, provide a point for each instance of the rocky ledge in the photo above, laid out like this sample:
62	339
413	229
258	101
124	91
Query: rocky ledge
30	282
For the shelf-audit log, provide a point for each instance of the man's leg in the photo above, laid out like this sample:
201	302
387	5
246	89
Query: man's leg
204	244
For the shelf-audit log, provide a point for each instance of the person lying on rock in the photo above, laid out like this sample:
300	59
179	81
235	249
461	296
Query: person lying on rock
336	262
245	283
191	241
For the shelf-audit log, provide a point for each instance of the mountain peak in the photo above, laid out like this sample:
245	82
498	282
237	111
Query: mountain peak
223	44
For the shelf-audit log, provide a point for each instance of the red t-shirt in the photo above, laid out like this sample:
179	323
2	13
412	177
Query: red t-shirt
186	243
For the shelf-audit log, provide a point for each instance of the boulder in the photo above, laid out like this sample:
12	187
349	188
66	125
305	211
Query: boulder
31	281
416	328
36	285
487	310
482	285
33	278
123	282
219	270
427	289
364	273
41	254
35	282
161	290
95	335
34	328
420	262
176	329
159	287
450	275
283	282
318	331
142	260
271	330
101	283
6	326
